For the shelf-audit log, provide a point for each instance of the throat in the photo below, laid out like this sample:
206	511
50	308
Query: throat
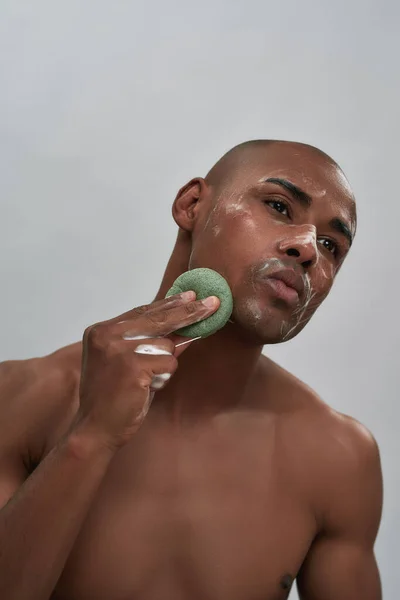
199	392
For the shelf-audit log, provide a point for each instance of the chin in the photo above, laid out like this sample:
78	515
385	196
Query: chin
260	323
263	331
270	321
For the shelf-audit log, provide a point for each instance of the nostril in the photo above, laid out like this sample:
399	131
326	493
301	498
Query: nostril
307	264
293	252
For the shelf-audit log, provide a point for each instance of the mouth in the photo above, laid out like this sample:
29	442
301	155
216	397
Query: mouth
287	285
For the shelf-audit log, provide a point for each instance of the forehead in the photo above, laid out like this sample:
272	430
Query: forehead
306	168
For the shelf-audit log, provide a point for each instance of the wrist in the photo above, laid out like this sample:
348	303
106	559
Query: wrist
85	442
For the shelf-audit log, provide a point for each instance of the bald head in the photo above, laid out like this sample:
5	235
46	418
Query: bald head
245	154
245	159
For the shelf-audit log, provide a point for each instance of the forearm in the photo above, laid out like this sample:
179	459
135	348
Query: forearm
39	525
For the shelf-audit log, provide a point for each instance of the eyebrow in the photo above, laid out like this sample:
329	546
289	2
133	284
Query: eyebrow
306	201
341	227
304	198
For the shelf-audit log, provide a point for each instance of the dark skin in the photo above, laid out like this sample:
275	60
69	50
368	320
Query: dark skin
240	478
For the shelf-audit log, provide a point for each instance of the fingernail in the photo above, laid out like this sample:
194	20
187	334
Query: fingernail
210	302
188	296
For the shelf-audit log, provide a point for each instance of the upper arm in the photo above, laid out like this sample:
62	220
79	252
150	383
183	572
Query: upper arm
341	563
35	400
13	471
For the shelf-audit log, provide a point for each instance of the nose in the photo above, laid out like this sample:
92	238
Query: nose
302	245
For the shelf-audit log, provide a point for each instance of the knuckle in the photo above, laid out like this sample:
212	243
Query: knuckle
140	310
112	348
143	379
158	318
96	336
191	308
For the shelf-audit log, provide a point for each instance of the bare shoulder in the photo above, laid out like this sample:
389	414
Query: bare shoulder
36	395
338	431
341	455
347	478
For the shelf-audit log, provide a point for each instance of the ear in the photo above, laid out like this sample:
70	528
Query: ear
186	204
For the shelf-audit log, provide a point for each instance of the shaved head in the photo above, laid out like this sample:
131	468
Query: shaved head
243	155
240	160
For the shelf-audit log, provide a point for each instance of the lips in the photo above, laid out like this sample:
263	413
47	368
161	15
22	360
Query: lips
291	279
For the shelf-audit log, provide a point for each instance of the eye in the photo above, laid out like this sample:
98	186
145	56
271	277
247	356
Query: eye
279	206
330	245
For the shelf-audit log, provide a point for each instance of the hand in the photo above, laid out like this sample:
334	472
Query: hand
121	370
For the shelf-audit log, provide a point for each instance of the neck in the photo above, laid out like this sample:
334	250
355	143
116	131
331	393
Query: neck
215	374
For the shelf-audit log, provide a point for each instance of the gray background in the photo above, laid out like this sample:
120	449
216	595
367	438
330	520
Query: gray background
107	108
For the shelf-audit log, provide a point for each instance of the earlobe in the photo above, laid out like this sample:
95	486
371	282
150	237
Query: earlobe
184	208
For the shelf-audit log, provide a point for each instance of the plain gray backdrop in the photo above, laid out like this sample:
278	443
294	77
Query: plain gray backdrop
107	108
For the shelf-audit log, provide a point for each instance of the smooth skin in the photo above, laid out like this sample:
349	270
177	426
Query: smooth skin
237	479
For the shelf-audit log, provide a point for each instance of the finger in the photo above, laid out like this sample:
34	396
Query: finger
155	324
158	368
151	345
181	344
164	322
167	322
156	347
178	343
174	344
164	303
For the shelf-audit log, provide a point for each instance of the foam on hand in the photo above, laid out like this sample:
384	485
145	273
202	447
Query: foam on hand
205	282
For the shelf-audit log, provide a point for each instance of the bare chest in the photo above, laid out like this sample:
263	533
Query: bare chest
207	514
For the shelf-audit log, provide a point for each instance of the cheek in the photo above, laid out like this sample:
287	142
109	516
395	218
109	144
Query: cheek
324	275
319	282
229	241
233	230
216	230
248	228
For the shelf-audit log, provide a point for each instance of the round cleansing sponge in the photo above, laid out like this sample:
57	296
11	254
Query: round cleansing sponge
205	282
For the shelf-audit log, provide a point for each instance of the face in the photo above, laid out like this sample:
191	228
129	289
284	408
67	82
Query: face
279	233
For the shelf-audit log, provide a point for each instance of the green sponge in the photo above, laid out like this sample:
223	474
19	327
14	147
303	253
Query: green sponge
205	282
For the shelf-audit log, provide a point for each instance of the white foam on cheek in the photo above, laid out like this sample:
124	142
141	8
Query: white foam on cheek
216	230
270	262
210	218
237	209
254	309
325	274
212	212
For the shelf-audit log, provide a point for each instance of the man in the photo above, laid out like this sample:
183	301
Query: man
239	478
